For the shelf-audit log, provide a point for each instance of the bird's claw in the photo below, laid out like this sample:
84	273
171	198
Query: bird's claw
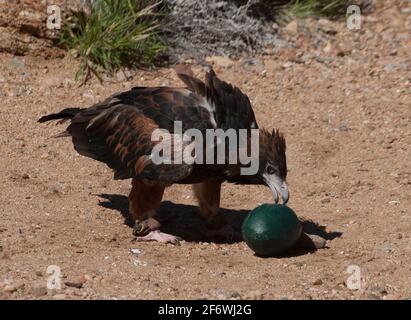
143	228
158	236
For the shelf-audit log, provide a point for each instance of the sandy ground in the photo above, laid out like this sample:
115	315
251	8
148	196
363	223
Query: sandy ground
345	108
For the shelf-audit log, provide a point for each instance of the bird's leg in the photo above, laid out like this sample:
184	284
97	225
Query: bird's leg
144	200
208	196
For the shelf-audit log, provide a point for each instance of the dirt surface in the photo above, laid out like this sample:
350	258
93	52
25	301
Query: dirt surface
345	108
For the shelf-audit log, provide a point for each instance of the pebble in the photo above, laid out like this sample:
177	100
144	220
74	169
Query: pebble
390	67
89	96
135	251
220	61
51	82
39	291
120	76
17	63
310	241
318	282
254	295
292	27
10	288
74	284
59	296
227	294
372	296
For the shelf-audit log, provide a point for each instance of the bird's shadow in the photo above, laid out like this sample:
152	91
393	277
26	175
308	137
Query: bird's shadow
185	221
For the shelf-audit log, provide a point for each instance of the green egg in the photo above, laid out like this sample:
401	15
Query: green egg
271	229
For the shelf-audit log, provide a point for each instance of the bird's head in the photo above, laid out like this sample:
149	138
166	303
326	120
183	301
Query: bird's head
273	163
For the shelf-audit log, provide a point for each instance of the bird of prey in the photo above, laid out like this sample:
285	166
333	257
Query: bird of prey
118	132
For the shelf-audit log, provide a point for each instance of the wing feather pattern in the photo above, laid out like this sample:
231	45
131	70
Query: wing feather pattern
118	130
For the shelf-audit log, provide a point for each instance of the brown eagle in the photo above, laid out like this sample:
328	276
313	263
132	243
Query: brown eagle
118	132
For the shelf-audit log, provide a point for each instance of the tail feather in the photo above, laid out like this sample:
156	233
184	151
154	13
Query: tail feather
63	115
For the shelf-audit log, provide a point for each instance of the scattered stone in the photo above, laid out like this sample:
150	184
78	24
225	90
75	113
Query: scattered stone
372	296
390	67
121	76
325	200
375	288
39	291
89	96
10	288
327	26
227	294
254	295
17	63
328	48
139	263
310	242
135	251
73	284
220	61
52	82
292	27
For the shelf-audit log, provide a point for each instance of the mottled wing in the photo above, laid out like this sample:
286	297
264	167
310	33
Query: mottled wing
230	107
118	131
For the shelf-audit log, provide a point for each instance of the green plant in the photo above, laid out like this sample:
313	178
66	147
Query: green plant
305	8
114	35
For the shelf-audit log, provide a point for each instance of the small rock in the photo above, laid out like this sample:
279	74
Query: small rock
39	291
220	61
254	295
328	48
318	282
292	27
89	96
390	67
327	26
72	284
17	63
375	288
325	200
51	82
287	65
135	251
10	288
372	296
227	294
59	296
310	242
121	76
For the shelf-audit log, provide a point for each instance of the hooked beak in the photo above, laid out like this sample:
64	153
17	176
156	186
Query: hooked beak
277	186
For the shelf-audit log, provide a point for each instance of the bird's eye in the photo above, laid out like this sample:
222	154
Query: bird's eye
270	169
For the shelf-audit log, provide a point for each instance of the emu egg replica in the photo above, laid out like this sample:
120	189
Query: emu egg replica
271	229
